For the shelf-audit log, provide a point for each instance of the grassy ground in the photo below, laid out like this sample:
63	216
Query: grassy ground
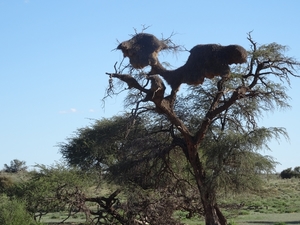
257	219
277	203
55	218
268	219
278	196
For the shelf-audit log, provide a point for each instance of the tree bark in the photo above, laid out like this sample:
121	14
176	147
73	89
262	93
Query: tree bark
212	213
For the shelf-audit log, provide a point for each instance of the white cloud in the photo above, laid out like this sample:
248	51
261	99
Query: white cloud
74	110
71	110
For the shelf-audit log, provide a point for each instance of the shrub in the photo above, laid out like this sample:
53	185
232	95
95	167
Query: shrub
13	212
5	183
289	173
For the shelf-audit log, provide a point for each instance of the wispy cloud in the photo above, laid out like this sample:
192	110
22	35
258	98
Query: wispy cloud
74	110
71	110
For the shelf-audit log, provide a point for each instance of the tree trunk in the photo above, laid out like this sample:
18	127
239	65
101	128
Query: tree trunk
211	217
212	213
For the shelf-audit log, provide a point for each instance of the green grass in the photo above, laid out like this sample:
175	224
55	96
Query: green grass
257	219
56	218
278	196
268	219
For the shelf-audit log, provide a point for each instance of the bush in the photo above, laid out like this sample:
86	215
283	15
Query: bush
5	183
289	173
297	171
13	212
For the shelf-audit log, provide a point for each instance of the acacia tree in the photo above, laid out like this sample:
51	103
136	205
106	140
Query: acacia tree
231	101
15	166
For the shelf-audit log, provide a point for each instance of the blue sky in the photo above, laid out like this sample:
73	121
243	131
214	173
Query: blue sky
54	55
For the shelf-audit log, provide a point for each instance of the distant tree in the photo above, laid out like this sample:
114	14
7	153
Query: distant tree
221	110
290	173
15	166
297	169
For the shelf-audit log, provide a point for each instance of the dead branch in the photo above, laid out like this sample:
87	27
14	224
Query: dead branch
107	204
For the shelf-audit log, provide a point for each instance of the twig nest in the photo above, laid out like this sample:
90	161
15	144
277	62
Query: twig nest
212	60
211	54
235	54
142	50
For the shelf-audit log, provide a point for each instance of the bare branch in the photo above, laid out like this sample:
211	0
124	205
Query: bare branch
131	82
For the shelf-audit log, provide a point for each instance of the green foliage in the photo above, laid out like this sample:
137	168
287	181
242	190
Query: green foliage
233	163
98	146
123	149
15	166
13	212
5	183
51	189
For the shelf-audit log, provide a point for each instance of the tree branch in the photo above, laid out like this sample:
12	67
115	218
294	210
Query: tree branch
131	82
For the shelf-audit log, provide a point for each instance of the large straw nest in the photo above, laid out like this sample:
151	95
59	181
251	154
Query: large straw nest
211	60
142	50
